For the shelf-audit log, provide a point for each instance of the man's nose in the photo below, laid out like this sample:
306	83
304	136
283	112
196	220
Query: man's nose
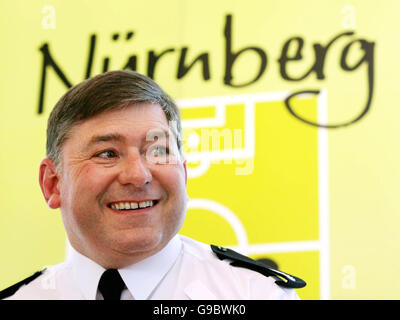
135	171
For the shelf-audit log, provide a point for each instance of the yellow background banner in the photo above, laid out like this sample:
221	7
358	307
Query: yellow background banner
290	126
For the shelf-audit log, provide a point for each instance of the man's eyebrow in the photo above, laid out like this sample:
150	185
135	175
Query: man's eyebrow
104	138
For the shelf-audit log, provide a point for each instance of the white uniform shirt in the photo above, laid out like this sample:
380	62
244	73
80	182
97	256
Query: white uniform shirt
184	269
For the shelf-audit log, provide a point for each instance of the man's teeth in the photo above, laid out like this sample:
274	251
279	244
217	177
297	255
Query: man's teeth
132	205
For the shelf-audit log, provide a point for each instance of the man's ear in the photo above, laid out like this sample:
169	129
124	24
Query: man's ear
48	180
185	168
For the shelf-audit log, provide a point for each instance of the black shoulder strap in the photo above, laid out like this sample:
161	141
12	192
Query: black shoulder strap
239	260
11	290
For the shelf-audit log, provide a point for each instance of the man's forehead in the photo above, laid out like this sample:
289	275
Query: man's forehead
135	112
127	135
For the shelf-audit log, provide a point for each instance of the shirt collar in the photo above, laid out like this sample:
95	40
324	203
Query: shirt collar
86	273
140	278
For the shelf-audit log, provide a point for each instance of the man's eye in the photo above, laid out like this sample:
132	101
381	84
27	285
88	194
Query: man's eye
106	154
159	151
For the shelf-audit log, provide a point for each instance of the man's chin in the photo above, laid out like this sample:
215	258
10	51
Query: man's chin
135	248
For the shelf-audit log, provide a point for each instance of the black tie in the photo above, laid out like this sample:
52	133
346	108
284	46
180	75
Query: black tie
111	285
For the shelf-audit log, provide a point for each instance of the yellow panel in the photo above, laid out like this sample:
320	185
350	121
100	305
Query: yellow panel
278	201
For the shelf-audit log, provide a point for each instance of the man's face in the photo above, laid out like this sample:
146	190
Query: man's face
122	159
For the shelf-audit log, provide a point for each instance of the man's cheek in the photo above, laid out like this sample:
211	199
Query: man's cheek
92	177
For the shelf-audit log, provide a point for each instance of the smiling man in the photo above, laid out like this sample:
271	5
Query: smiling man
116	171
119	204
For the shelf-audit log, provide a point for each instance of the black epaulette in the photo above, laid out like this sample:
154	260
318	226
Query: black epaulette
11	290
239	260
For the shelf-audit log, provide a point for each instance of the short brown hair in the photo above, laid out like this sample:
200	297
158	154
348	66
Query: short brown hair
107	91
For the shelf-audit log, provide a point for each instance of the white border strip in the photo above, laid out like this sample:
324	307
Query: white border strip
224	100
323	188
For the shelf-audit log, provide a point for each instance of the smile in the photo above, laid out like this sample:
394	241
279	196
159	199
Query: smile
132	205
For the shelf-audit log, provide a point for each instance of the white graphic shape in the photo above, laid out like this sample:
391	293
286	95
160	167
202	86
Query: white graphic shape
226	214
